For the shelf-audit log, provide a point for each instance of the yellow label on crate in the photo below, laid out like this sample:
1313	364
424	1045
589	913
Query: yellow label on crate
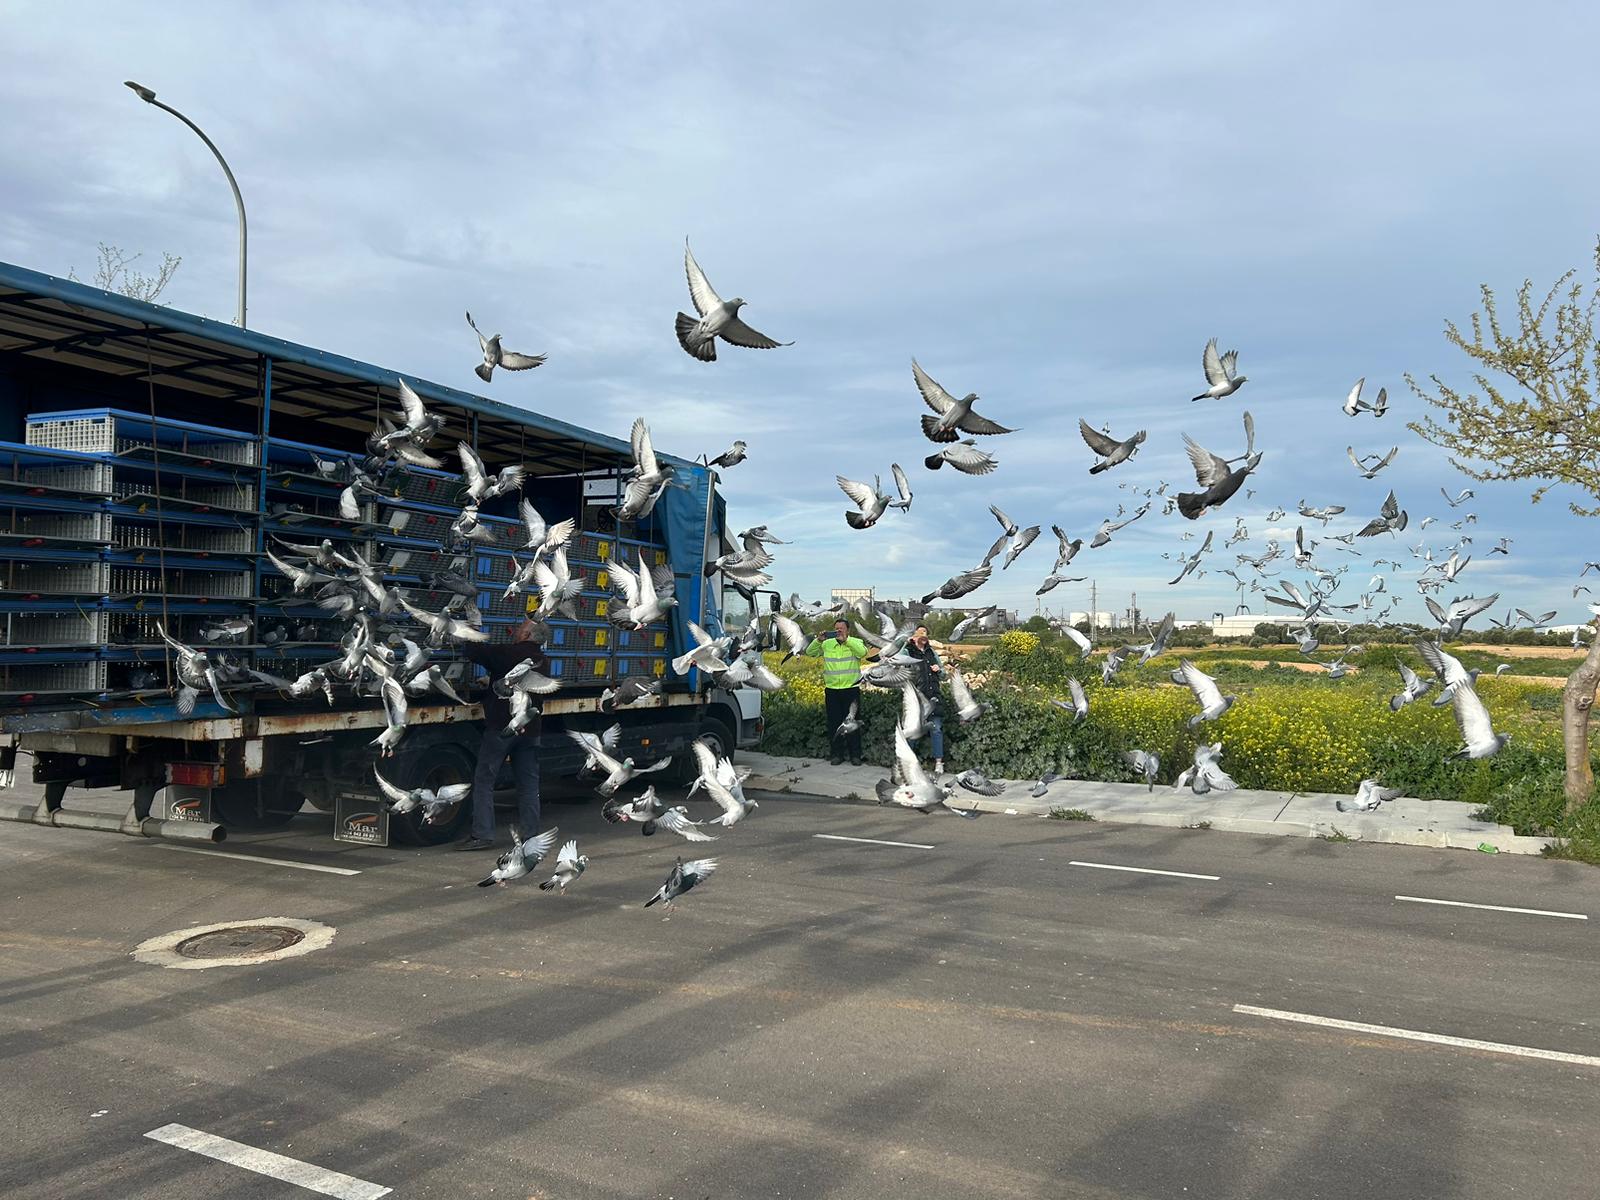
603	551
661	558
600	666
661	641
533	605
599	637
600	607
602	579
660	667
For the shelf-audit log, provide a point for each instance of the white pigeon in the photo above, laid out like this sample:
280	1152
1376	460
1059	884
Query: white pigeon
569	865
1211	700
718	318
964	456
617	772
1354	404
479	486
648	479
543	538
724	784
432	802
1478	739
967	707
558	587
916	790
706	654
495	355
915	709
641	604
1207	774
1369	794
1220	372
676	820
523	856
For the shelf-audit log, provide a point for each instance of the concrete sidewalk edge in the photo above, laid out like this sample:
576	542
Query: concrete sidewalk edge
1407	821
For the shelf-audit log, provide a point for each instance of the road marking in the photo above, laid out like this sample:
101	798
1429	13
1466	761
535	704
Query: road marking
265	1162
1417	1035
271	862
839	837
1141	870
1533	912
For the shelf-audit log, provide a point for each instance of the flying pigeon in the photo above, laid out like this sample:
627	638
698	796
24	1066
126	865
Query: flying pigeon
707	654
1110	450
649	476
1370	465
617	774
1110	526
523	856
1461	497
967	707
718	318
1220	373
1207	774
970	620
1478	739
1447	667
1413	686
1193	561
916	790
642	809
850	724
1324	514
723	783
951	414
1391	518
685	875
964	457
433	802
569	865
959	585
420	428
195	672
495	355
977	781
1369	794
1053	581
870	500
1461	610
1066	549
479	486
1354	404
1214	475
1212	702
1070	632
1144	763
731	457
1079	708
1013	540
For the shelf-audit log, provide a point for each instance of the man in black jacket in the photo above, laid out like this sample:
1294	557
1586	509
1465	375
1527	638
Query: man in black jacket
496	745
926	676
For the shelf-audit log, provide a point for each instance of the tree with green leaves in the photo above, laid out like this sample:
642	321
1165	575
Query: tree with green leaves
1533	415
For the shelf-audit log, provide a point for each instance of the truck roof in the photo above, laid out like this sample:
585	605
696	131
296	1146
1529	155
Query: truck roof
63	323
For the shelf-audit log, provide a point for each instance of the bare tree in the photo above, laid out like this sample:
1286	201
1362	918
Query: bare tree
115	273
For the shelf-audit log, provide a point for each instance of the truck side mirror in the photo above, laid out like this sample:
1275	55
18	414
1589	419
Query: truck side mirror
774	602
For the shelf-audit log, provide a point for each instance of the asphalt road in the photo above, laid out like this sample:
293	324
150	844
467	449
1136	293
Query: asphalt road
822	1018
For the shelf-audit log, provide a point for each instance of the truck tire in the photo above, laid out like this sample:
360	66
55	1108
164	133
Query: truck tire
264	803
432	765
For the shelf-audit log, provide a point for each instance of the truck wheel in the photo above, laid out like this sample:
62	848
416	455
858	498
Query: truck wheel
432	766
255	804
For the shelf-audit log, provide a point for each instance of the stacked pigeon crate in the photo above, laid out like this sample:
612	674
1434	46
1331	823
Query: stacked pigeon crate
133	520
302	509
640	653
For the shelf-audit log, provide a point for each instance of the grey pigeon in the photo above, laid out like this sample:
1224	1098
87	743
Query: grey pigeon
1370	465
569	865
523	856
1013	541
850	724
1478	739
916	790
1390	519
1452	675
731	457
1110	525
977	781
970	620
1413	686
1193	561
1111	451
1462	497
966	704
433	802
959	585
1221	370
950	414
1066	549
1043	784
718	318
869	499
1144	763
684	876
1354	404
1369	794
495	355
1207	774
1214	475
964	457
1462	609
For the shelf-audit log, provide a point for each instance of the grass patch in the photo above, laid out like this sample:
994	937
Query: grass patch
1070	814
1338	835
1582	850
1197	825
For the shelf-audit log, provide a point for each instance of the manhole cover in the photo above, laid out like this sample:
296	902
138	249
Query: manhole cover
241	941
235	943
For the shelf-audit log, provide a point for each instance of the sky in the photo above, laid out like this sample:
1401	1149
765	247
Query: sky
1053	206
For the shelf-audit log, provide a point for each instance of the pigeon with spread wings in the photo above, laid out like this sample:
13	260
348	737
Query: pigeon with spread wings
718	318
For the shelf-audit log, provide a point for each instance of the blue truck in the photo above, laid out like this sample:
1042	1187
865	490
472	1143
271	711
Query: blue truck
150	460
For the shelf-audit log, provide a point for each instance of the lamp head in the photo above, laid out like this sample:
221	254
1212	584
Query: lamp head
140	91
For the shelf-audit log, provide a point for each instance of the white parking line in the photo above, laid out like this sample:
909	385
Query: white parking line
1417	1035
1141	870
1532	912
271	862
839	837
265	1162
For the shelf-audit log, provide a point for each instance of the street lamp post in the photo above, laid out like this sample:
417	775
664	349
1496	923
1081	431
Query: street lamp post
149	97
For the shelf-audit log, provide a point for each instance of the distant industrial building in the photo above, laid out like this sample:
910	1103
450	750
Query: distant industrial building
1239	625
850	595
1102	620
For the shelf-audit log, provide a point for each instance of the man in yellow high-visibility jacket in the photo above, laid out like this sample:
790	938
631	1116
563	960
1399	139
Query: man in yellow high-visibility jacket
841	657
